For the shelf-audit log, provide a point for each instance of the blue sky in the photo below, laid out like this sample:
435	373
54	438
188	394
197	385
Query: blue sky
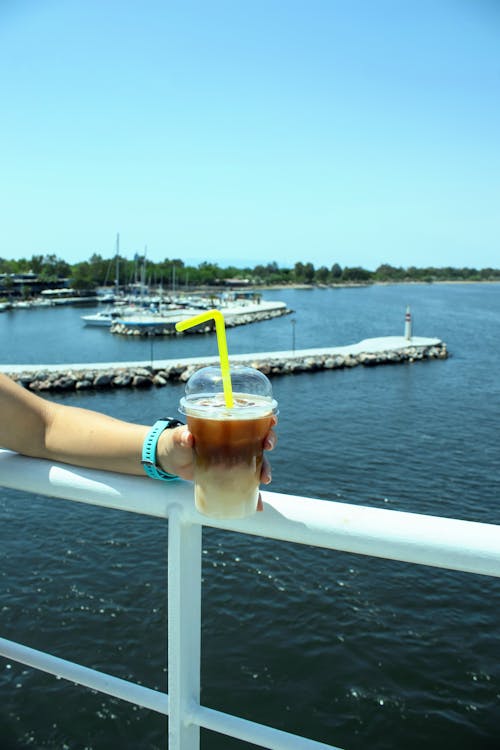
359	131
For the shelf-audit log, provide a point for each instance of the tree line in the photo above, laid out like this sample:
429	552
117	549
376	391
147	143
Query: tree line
102	272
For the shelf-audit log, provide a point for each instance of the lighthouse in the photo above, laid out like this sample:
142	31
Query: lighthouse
408	324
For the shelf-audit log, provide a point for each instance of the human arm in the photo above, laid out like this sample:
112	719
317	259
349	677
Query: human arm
36	427
40	428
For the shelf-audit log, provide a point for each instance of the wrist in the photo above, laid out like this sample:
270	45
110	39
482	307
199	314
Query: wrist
159	444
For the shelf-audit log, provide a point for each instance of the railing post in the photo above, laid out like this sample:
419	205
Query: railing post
184	629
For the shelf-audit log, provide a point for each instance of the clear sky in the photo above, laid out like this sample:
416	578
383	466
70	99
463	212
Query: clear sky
245	131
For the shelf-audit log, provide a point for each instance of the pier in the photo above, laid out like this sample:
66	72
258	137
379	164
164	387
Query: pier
164	325
157	373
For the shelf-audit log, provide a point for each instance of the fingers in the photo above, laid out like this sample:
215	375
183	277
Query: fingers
175	452
265	473
179	457
185	437
270	440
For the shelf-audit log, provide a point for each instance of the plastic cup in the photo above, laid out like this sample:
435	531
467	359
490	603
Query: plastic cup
228	442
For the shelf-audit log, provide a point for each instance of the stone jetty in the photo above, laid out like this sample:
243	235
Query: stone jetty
367	353
234	315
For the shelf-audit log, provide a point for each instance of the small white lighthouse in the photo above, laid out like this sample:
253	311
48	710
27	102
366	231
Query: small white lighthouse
408	324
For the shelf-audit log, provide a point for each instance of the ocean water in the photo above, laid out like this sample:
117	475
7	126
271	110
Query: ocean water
350	650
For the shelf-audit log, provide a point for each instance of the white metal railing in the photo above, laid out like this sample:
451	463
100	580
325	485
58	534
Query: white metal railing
429	540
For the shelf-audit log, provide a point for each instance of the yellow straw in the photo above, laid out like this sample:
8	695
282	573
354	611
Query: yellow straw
220	331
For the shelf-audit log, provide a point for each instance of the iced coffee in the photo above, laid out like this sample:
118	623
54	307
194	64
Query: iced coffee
228	442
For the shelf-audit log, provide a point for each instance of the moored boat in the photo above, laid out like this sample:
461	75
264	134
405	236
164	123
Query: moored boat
103	318
148	319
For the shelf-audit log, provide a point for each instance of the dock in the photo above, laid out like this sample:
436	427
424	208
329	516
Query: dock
100	375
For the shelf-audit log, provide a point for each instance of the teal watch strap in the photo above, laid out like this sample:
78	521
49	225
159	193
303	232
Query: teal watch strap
148	458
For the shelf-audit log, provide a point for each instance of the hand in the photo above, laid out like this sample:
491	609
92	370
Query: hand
265	475
269	444
175	453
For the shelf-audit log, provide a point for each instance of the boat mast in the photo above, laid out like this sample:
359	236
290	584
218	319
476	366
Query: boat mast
143	275
117	268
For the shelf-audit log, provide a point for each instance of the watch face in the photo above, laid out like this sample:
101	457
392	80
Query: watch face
171	422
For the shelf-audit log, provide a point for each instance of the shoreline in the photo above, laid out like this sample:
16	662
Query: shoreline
278	287
360	285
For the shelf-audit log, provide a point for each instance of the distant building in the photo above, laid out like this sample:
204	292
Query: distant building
236	282
26	284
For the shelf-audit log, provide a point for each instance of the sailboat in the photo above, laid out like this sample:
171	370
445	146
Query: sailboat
105	318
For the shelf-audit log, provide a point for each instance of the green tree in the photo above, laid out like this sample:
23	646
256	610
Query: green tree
322	275
304	272
356	274
82	278
208	273
54	268
386	272
103	270
36	263
336	272
298	271
309	273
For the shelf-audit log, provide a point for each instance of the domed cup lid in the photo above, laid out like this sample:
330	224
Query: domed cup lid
252	393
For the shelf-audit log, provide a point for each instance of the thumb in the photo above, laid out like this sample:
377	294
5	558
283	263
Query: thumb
176	453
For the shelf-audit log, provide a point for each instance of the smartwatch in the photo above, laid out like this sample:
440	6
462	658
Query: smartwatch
148	459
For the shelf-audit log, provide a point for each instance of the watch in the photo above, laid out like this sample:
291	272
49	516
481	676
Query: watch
148	459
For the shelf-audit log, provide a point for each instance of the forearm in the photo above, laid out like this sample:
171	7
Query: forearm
94	440
40	428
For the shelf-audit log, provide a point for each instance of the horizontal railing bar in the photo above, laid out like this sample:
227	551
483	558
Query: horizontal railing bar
91	678
104	488
268	737
468	546
249	731
450	543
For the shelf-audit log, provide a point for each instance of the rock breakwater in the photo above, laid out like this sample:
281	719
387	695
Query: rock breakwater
167	327
140	375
